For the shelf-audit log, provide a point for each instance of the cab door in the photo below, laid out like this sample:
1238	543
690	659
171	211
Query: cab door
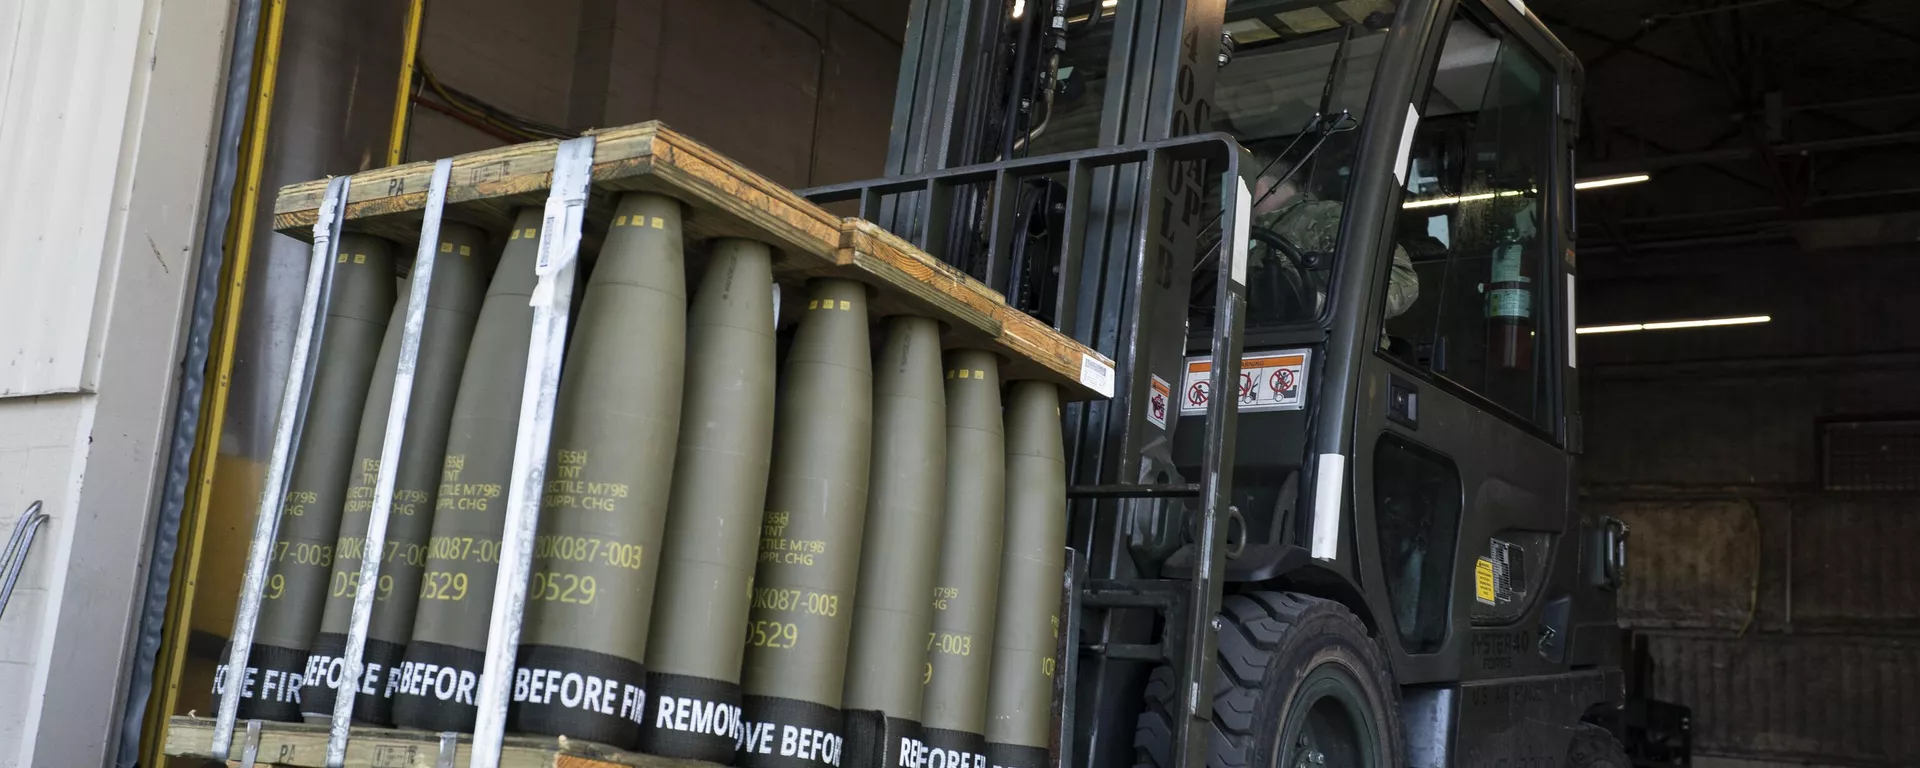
1461	477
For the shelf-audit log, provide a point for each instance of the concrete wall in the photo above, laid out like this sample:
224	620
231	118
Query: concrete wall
1788	617
799	90
105	129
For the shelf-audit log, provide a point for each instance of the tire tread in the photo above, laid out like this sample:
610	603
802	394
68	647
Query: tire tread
1253	628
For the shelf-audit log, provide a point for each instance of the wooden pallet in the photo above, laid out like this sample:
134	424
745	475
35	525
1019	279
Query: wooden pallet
723	199
298	745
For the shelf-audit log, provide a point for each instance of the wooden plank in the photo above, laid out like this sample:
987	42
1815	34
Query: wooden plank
487	187
1031	349
299	745
723	199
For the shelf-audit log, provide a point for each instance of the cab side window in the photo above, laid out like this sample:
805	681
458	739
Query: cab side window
1470	245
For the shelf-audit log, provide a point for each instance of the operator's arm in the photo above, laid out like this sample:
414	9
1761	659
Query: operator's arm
1403	284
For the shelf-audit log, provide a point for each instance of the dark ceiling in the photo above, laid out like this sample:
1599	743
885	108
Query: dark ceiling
1761	120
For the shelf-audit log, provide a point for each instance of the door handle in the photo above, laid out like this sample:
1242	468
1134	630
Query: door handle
1403	402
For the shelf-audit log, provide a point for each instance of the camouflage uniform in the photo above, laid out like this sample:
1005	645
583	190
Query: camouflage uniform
1313	225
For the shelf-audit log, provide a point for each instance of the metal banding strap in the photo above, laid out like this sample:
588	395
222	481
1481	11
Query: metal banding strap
552	297
1329	482
449	746
286	435
250	752
376	537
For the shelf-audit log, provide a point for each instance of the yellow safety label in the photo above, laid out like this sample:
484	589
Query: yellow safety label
1483	580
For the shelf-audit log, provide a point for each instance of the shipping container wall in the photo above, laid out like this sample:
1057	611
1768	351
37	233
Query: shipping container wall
801	92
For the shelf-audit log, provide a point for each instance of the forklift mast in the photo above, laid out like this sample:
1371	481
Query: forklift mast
1357	216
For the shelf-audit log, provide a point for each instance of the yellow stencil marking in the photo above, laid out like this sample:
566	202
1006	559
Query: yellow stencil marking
342	259
620	221
528	233
979	374
1483	580
466	250
659	223
815	304
514	236
844	304
359	258
446	247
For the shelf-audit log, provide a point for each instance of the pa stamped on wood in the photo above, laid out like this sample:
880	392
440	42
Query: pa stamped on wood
298	745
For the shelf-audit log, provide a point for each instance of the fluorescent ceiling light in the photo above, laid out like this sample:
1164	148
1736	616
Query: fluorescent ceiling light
1675	324
1611	328
1431	202
1611	181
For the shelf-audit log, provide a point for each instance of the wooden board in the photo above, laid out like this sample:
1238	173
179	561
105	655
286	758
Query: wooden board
723	199
298	745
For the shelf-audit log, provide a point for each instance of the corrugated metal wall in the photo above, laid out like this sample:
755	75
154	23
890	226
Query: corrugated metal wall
1826	699
1855	566
1788	622
1787	616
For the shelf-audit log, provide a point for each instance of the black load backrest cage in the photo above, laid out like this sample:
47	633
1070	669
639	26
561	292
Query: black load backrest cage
926	201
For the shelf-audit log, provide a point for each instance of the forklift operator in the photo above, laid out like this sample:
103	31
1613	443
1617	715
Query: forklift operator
1311	224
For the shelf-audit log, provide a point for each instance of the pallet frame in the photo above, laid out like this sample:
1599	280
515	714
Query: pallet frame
300	745
724	199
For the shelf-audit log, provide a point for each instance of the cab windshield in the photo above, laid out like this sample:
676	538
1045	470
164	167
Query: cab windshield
1293	92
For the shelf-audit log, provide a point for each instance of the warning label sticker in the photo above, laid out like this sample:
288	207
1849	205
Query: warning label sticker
1483	580
1269	381
1096	374
1157	402
1507	575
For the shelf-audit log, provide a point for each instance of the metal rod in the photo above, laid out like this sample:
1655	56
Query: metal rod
286	435
1135	491
250	752
552	297
15	557
1192	728
376	538
1067	651
19	531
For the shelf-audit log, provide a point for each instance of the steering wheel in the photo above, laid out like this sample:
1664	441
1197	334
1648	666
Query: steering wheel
1296	279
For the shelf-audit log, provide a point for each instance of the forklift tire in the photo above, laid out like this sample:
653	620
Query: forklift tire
1596	747
1277	652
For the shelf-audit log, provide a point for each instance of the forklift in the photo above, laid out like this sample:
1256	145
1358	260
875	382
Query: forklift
1329	516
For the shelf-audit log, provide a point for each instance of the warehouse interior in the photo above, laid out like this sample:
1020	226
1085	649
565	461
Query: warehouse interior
1769	468
1767	471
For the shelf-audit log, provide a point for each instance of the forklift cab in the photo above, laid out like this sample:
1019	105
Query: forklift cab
1435	342
1396	471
